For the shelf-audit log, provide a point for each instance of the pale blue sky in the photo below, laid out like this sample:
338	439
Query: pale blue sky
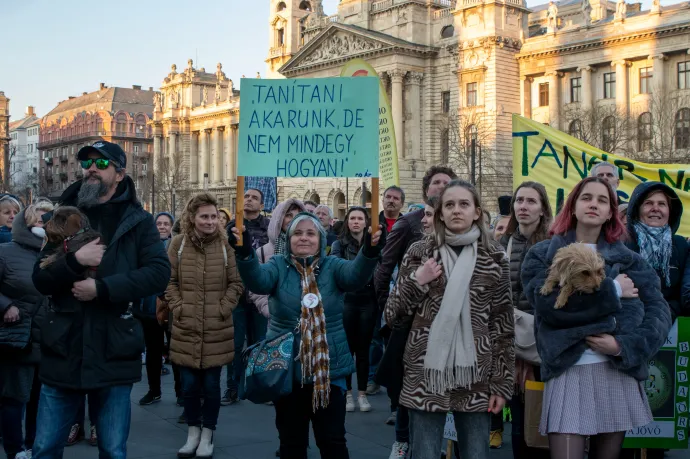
60	49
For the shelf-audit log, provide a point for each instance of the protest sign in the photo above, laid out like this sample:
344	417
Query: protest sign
449	432
388	151
667	391
558	161
310	127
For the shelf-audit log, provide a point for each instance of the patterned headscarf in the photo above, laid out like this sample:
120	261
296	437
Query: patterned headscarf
656	246
314	345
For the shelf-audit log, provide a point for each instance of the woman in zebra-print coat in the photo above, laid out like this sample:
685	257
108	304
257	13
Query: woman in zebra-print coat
459	355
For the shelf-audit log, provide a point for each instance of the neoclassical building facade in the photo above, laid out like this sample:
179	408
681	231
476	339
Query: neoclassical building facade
455	71
195	121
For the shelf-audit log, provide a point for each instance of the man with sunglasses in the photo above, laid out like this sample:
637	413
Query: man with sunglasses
91	343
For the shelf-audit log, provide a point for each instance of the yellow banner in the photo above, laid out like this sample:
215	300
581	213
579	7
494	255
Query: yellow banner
558	161
388	151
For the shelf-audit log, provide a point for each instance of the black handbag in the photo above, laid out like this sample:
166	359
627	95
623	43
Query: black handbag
16	336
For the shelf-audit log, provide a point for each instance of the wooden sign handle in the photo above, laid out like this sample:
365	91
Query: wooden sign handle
239	208
374	204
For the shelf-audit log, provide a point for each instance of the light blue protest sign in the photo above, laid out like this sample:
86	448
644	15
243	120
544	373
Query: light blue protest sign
309	127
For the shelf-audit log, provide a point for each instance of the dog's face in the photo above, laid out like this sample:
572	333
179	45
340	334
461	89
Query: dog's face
579	266
65	222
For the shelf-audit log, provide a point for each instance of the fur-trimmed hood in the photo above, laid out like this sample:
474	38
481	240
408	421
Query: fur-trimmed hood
278	215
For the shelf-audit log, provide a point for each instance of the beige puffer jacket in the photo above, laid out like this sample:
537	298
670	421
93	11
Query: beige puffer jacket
203	291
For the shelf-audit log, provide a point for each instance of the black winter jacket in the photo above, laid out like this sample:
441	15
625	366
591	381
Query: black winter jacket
17	260
518	250
97	344
406	231
677	294
347	248
640	325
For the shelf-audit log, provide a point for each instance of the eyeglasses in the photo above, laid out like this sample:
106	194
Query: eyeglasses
101	163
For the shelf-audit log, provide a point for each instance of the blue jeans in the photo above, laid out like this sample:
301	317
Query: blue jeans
57	410
250	324
196	383
426	432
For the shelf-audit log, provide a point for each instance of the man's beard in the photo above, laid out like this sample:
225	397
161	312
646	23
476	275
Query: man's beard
90	193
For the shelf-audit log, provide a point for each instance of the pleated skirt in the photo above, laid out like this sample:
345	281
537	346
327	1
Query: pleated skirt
593	399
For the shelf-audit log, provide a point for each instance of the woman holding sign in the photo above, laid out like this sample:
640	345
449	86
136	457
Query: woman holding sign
594	349
459	355
306	289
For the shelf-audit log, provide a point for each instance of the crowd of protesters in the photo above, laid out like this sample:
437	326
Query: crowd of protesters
424	305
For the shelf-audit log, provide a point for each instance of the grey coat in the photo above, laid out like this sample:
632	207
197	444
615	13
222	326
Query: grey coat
639	325
518	250
17	259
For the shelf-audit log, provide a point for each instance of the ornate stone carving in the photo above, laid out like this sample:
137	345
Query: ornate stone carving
586	10
217	94
656	7
415	77
231	89
340	45
204	98
397	75
621	10
156	101
173	71
220	75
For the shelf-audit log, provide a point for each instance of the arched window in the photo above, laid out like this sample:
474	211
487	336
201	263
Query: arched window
575	129
471	134
315	197
445	146
448	31
683	128
608	134
644	132
280	34
281	6
305	6
121	126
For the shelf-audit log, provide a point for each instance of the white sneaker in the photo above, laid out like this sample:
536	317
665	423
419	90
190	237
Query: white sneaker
205	448
193	439
363	403
399	450
349	403
21	455
29	454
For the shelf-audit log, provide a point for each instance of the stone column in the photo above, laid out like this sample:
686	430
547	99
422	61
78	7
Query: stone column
231	172
157	153
397	77
526	96
658	80
218	147
621	67
414	80
203	157
173	145
586	87
554	98
194	157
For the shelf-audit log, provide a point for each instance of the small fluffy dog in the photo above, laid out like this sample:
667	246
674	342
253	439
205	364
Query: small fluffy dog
69	230
575	268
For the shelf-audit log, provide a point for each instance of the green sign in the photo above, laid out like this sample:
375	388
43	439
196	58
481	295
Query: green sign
311	127
667	391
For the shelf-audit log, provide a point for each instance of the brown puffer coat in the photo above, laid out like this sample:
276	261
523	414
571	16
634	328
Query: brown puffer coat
203	291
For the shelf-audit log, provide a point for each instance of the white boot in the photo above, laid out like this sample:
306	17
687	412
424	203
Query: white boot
205	449
189	448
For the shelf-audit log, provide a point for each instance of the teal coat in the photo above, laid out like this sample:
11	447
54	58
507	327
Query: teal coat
279	279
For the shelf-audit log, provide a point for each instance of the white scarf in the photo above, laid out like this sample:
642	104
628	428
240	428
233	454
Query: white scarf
451	358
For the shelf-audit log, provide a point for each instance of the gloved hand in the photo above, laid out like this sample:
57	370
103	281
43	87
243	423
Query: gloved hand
373	251
245	250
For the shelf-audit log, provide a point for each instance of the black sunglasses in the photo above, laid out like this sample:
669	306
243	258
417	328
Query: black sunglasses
101	163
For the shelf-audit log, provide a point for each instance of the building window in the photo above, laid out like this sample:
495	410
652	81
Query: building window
608	134
644	132
575	129
448	31
445	146
305	6
683	128
684	75
471	134
471	94
610	85
646	80
281	37
575	89
445	101
136	148
281	6
543	94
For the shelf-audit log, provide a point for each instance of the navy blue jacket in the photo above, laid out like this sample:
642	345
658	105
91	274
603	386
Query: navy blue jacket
677	293
640	325
98	344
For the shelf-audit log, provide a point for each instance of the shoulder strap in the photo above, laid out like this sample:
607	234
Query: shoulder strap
179	251
225	255
263	255
509	249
